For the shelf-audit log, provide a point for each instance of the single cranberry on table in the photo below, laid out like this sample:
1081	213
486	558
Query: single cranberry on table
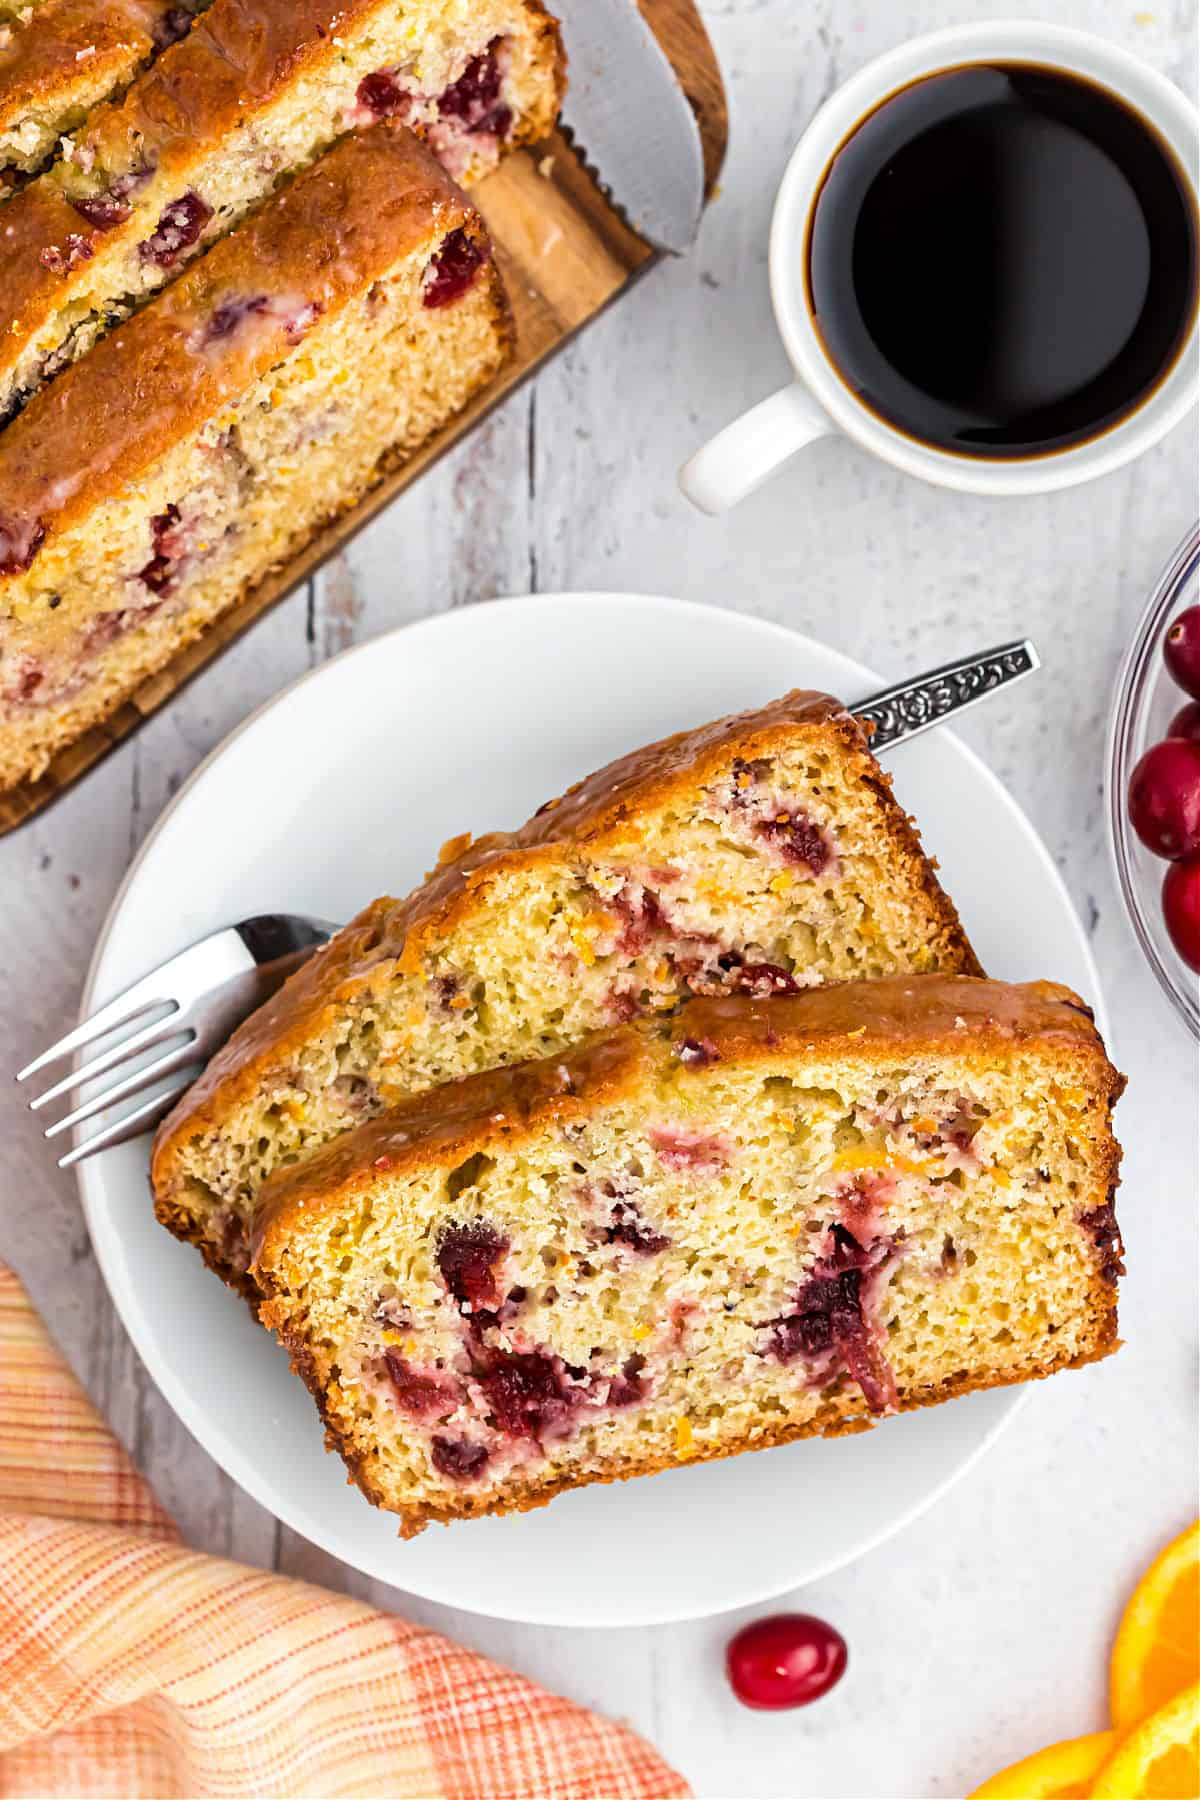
1181	909
1181	649
1186	723
788	1660
1164	798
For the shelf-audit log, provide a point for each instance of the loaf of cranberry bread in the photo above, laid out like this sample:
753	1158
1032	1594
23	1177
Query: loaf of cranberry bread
57	64
757	855
755	1221
255	90
200	444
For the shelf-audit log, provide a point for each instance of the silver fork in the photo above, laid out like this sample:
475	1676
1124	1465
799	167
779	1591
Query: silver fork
197	997
200	996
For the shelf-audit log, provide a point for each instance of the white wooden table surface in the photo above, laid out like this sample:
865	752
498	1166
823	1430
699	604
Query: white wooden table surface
980	1632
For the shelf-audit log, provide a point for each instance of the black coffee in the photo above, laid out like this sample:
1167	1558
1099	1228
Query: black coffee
1002	260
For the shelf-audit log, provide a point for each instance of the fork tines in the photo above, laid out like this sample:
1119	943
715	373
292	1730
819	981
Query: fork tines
125	1011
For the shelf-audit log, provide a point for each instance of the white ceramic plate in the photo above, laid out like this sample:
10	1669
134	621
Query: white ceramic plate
343	788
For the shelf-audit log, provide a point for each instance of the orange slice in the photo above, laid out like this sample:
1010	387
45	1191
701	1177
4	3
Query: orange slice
1160	1759
1157	1648
1061	1772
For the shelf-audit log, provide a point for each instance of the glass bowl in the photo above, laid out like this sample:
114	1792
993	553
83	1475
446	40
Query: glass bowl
1146	700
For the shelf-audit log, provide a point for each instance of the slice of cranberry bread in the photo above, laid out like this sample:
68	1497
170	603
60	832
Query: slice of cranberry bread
202	443
256	90
756	1221
58	64
758	855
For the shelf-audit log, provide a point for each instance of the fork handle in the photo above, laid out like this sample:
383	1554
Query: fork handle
911	707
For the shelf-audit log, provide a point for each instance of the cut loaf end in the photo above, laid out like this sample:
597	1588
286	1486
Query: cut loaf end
198	447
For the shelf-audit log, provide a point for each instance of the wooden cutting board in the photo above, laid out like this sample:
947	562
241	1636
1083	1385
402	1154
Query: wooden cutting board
565	253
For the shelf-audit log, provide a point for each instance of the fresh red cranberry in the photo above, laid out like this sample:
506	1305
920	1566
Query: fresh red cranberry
697	1053
628	1227
381	94
160	572
468	1256
796	839
1164	798
104	211
177	230
525	1392
476	91
789	1660
458	1458
1101	1226
64	258
826	1316
643	918
158	575
111	206
1186	723
453	270
20	540
499	122
630	1386
420	1393
1181	908
762	979
229	314
1181	648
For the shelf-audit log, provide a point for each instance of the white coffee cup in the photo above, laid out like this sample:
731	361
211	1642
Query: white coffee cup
819	403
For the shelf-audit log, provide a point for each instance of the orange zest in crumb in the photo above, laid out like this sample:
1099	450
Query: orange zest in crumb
875	1159
685	1442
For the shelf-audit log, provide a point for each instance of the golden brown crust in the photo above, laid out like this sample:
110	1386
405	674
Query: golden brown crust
375	198
389	933
69	43
233	64
857	1022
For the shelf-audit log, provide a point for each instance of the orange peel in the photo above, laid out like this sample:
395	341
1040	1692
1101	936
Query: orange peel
1160	1758
1060	1772
1156	1652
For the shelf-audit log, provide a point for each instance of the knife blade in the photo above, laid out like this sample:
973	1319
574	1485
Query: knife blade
627	116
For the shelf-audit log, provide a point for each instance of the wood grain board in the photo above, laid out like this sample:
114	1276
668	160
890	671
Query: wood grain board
565	253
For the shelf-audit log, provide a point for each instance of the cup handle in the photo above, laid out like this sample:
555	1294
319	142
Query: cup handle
740	458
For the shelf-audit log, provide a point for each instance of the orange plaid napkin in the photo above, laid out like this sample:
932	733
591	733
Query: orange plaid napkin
131	1666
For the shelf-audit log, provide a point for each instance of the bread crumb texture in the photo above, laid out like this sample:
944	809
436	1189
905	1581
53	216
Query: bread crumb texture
720	1246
